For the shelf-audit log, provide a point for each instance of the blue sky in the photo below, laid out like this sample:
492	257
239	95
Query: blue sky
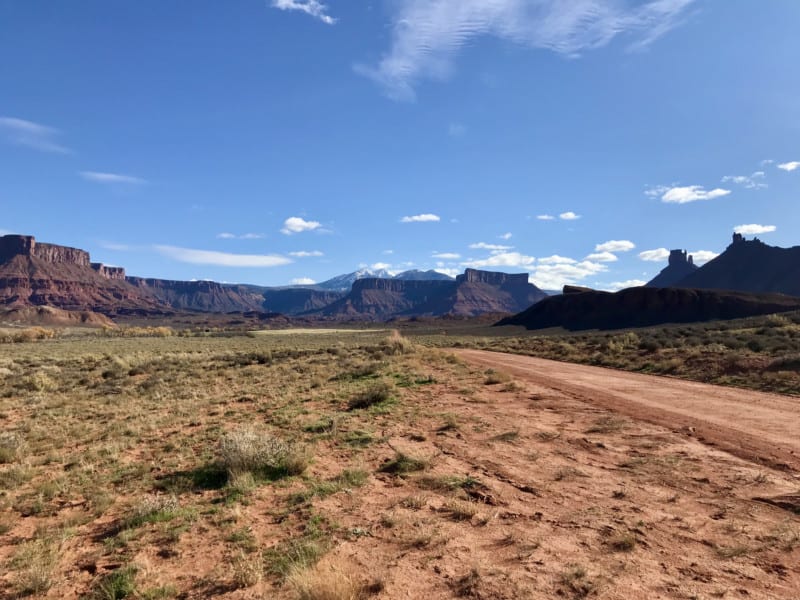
271	141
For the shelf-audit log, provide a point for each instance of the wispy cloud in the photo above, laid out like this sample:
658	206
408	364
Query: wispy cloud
303	281
298	225
221	259
241	236
624	285
555	276
790	166
111	178
557	260
701	257
568	216
494	247
446	255
750	182
502	259
456	130
115	246
546	217
314	8
602	257
685	194
306	254
423	218
657	255
615	246
506	236
754	229
427	34
31	135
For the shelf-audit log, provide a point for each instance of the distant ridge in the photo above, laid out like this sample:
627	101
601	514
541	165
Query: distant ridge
580	309
679	266
749	266
39	274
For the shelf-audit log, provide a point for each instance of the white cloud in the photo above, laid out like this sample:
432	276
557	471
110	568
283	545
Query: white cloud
623	285
493	247
314	8
113	178
615	246
423	218
502	259
450	272
790	166
766	162
703	256
657	255
557	260
380	266
427	34
306	253
32	135
5	232
568	216
303	281
684	194
388	252
754	229
551	277
298	225
221	259
244	236
602	257
446	255
750	182
546	217
506	236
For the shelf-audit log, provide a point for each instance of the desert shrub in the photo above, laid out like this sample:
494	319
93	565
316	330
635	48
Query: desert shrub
262	454
154	509
331	583
397	344
374	394
11	447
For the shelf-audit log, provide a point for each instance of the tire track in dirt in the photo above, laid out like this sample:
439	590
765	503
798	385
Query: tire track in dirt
756	426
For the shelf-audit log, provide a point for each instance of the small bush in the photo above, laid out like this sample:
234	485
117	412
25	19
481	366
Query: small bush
117	584
262	454
375	394
329	583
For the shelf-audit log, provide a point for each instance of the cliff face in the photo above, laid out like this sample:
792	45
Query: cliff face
473	293
641	307
205	296
492	278
680	265
36	274
117	273
293	301
26	245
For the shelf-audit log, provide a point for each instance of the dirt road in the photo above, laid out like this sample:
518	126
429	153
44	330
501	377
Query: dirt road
761	427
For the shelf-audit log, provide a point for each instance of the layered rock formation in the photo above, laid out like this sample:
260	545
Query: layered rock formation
472	293
294	301
642	306
680	265
36	274
204	296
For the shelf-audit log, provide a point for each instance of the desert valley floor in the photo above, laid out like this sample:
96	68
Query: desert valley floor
402	471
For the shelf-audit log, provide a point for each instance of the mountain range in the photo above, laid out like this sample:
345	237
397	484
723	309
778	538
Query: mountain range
39	274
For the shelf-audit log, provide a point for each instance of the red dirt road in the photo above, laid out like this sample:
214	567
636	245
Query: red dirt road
757	426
